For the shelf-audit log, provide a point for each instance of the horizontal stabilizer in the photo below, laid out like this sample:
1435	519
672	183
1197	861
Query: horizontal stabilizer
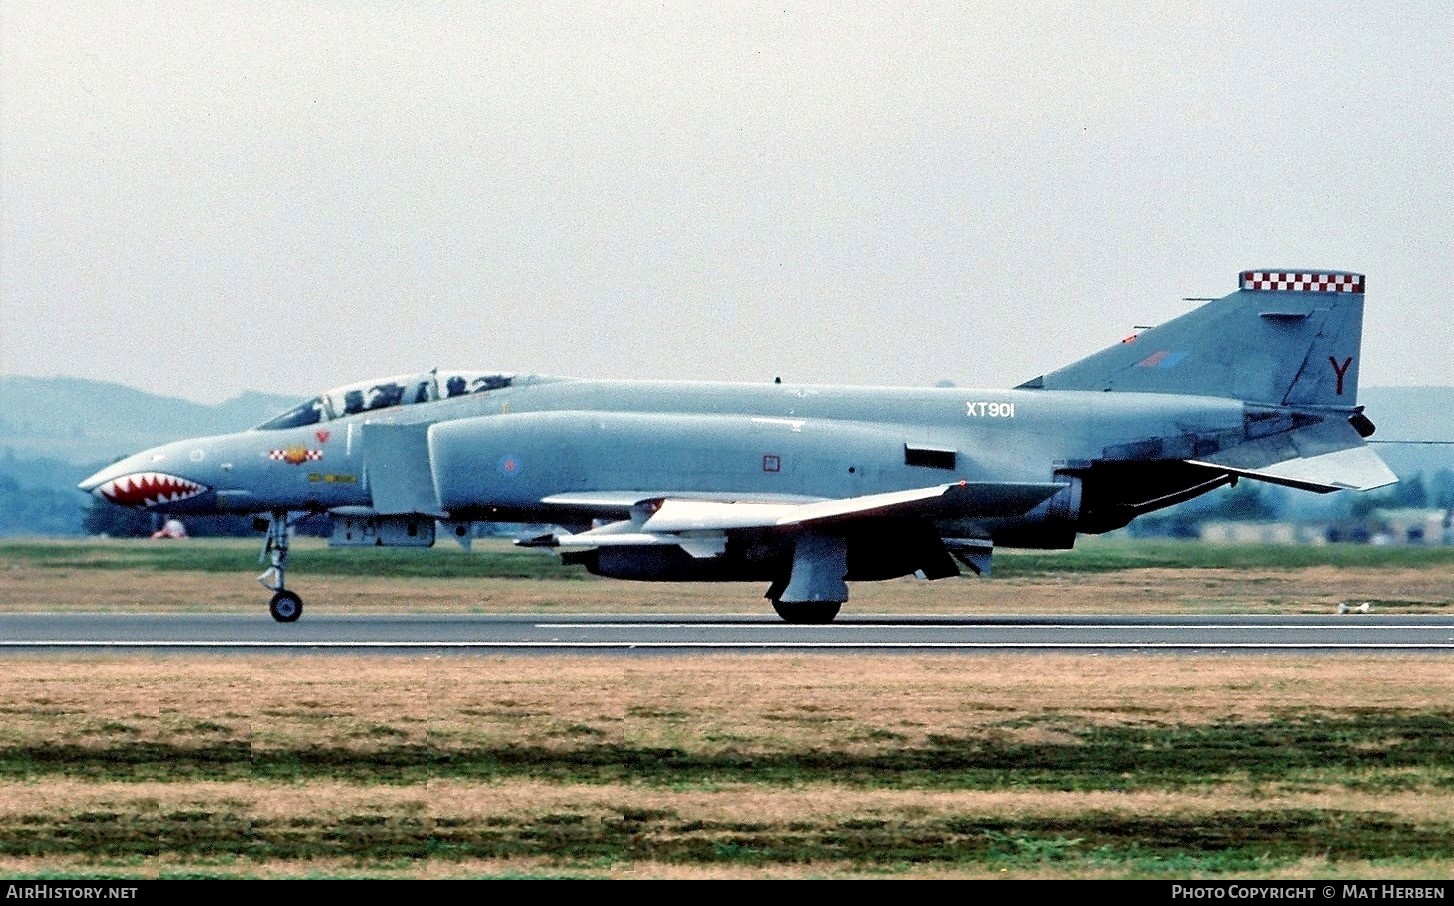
1329	456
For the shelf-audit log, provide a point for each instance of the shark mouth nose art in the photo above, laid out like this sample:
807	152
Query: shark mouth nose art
148	489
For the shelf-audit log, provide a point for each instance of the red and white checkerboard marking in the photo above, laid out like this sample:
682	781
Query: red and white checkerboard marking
1302	281
286	455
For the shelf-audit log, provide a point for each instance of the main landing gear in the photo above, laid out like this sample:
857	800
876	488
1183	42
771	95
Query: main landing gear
814	589
285	606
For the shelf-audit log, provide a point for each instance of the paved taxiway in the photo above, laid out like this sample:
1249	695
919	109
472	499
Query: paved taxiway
640	635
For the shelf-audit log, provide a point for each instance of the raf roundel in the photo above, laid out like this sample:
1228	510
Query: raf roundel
510	465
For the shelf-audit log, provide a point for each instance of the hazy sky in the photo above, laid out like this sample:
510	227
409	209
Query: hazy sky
201	198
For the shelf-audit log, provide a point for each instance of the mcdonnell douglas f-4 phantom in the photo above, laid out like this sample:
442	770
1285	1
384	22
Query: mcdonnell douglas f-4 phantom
803	488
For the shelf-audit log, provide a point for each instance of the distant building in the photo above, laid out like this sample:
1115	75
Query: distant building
1382	526
1236	532
1411	525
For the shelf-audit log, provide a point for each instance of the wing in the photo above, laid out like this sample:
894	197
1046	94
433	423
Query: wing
699	524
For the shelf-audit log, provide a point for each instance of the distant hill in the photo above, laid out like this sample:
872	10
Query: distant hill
81	421
56	431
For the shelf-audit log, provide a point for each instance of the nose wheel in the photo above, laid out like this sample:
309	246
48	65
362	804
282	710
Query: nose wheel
285	606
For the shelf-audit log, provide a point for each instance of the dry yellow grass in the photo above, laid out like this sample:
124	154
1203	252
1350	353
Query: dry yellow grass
714	701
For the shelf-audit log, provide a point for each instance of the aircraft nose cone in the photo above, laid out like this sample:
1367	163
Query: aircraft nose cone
121	467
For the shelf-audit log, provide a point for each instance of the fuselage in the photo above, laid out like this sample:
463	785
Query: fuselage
505	451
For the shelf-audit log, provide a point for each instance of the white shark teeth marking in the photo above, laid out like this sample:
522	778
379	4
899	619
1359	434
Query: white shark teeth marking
149	489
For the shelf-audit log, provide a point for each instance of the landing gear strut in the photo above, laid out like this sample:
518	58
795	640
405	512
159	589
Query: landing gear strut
285	606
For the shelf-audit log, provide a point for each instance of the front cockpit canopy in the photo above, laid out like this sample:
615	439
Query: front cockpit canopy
385	393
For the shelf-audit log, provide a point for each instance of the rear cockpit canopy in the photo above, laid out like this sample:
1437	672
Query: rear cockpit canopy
384	393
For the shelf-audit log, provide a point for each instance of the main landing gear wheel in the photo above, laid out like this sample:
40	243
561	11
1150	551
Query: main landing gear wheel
285	607
807	611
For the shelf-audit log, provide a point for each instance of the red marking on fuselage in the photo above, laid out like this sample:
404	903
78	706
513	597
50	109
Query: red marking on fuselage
322	436
1340	370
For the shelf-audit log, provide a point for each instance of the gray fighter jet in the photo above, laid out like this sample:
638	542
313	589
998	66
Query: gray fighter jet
803	488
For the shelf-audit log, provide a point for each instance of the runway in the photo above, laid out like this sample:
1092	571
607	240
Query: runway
682	634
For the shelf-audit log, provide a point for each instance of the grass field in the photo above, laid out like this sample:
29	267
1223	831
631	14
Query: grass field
763	766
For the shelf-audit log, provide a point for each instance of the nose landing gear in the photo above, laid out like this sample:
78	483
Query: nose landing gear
285	606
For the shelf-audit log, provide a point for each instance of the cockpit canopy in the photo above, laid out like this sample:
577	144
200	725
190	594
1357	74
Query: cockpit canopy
384	393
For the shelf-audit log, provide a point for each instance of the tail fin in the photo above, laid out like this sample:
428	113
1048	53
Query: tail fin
1286	338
